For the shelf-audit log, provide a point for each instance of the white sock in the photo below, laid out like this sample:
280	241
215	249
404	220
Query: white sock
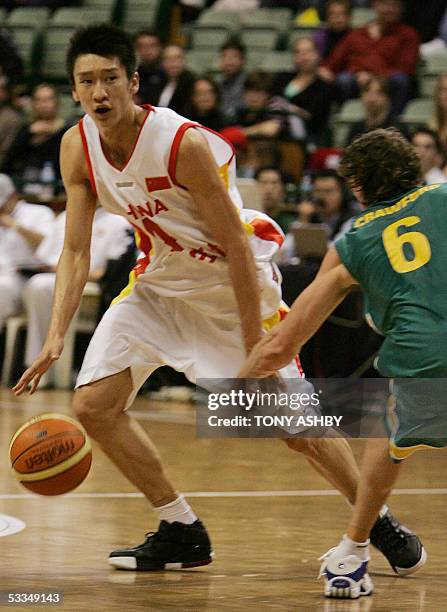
383	510
177	511
349	547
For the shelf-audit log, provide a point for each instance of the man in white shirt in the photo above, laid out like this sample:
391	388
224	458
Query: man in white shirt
22	228
110	238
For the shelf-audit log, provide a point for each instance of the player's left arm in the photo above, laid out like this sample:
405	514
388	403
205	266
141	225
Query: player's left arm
309	311
197	171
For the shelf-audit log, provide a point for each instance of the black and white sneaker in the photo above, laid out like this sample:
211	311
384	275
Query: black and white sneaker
173	546
401	547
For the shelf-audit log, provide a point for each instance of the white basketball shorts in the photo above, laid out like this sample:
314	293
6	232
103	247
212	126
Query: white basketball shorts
144	331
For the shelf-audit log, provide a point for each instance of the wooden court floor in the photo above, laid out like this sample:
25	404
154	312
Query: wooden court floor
269	515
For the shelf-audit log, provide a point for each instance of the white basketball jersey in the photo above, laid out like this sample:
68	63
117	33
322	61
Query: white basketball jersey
179	252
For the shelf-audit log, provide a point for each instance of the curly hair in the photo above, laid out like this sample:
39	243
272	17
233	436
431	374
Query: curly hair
382	163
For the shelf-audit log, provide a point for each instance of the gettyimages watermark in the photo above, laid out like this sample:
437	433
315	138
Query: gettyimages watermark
360	408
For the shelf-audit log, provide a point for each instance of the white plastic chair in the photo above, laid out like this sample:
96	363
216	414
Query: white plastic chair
84	321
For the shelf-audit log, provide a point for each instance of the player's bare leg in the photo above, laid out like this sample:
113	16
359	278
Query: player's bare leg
99	407
333	459
181	540
378	475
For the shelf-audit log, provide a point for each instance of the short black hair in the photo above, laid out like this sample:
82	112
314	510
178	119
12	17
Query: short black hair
331	174
149	32
272	168
236	44
257	80
433	135
105	40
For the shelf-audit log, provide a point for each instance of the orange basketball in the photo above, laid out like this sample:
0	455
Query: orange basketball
50	454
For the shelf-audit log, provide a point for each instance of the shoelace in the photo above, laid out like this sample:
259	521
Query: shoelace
391	533
323	559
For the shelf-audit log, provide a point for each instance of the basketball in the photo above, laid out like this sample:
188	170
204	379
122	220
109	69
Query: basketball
50	454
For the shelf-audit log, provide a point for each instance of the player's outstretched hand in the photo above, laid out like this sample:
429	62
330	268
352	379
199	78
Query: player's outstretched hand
267	357
34	373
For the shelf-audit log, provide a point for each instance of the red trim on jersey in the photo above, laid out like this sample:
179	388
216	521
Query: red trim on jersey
233	152
87	156
266	231
144	245
299	366
172	164
149	110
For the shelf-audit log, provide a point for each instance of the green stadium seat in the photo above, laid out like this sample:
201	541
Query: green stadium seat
417	112
259	38
361	16
104	10
427	86
52	66
350	112
209	37
202	61
72	17
140	14
267	18
30	17
253	60
222	19
26	40
278	61
435	64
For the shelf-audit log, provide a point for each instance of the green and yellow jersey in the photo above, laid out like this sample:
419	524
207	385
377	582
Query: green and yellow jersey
397	251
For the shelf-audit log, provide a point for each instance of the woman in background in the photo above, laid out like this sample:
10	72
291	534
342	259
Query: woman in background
204	106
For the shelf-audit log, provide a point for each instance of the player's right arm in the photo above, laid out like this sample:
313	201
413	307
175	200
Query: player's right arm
74	263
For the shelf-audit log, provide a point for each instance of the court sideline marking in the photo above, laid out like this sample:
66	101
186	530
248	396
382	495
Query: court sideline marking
303	493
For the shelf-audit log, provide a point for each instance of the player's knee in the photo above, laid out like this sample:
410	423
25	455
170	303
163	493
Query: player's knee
310	447
92	413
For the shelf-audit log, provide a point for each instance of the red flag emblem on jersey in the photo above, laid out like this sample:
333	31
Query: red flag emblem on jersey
157	183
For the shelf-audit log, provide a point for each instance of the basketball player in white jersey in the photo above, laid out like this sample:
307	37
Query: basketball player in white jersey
198	299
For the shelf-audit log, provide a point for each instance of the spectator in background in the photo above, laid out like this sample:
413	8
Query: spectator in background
271	182
177	89
231	83
438	122
338	17
310	97
254	116
37	143
110	239
429	148
152	77
385	47
204	106
11	64
22	228
10	119
376	100
331	203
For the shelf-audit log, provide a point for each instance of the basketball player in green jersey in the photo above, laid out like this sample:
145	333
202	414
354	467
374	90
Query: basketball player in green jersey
396	252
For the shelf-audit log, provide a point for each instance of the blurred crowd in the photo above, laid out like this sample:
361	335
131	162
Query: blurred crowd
281	125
